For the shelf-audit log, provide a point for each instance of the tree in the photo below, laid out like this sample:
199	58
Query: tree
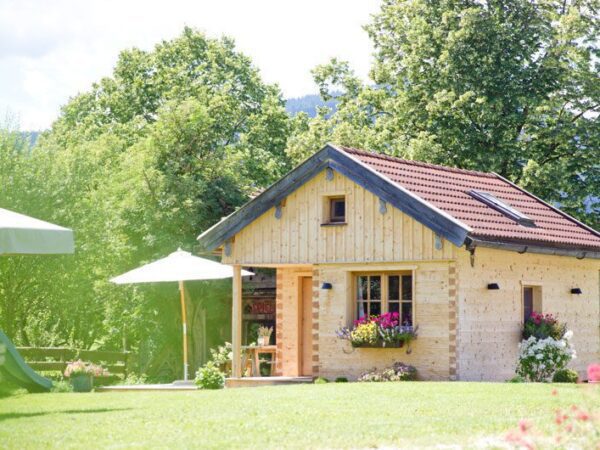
175	139
510	86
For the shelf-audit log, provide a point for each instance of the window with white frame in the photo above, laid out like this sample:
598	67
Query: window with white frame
383	292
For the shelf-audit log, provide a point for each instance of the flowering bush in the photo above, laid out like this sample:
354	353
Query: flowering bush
384	330
593	372
80	368
542	326
210	377
398	372
539	359
222	357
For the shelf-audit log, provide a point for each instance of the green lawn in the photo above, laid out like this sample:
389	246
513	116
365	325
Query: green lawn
333	415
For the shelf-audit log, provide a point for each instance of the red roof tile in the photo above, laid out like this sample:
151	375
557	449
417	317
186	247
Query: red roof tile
448	189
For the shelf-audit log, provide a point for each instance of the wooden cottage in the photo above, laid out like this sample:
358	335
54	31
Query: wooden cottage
464	255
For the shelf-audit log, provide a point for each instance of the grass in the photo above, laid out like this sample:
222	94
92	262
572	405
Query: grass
340	415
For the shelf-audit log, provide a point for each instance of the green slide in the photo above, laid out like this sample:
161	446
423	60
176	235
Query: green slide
16	370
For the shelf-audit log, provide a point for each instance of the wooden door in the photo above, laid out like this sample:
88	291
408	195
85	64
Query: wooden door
306	326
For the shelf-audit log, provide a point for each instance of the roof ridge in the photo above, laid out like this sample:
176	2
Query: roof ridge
413	162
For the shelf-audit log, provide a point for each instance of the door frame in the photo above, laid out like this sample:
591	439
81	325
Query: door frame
300	341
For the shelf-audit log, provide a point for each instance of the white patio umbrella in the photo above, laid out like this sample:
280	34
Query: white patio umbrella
179	266
21	234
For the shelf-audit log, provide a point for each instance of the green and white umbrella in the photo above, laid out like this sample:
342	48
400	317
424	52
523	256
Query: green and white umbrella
21	234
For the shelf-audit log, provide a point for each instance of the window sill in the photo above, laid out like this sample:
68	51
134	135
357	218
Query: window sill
334	224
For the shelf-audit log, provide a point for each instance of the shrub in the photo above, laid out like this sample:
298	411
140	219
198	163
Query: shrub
543	326
321	380
540	359
565	376
341	380
398	372
210	376
593	372
61	387
516	379
133	378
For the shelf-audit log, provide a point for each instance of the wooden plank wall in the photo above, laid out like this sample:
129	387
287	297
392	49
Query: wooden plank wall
288	319
490	321
369	236
430	352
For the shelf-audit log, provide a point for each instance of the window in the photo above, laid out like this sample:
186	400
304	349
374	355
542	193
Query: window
337	210
502	207
532	301
380	293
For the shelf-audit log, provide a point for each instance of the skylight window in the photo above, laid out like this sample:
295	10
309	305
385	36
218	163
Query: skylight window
503	207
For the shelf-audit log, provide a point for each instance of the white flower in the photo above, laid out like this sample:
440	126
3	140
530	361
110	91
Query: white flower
568	335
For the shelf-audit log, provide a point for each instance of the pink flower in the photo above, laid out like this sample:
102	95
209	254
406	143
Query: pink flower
593	372
524	425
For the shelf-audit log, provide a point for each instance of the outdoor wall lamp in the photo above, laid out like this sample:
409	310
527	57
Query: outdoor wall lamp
493	286
326	286
576	291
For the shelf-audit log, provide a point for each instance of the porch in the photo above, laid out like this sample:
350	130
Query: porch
293	359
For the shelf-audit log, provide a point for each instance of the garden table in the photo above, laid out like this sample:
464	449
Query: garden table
254	352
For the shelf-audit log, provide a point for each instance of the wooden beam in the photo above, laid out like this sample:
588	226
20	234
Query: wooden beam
236	323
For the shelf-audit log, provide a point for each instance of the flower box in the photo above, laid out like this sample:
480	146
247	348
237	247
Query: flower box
379	344
382	331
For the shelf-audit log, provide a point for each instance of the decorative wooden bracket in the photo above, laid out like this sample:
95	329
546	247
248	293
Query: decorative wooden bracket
228	247
438	242
329	174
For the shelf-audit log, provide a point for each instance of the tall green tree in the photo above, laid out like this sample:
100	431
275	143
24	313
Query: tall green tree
175	139
510	86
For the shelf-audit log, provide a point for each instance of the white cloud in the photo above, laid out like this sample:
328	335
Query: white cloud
50	51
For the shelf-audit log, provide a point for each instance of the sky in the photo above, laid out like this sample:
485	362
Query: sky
50	51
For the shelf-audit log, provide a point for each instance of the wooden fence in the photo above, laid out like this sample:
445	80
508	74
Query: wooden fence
55	359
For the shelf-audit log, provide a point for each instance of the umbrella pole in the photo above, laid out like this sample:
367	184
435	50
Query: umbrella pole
184	322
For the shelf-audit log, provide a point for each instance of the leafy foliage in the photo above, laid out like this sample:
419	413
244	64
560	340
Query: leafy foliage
565	376
175	139
505	86
539	359
210	376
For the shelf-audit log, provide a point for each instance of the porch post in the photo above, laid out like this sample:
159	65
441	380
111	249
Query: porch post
236	322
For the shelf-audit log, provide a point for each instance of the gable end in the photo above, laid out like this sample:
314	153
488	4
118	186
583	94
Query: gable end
331	157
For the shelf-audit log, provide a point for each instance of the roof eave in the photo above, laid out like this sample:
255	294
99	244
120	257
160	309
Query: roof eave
330	156
524	247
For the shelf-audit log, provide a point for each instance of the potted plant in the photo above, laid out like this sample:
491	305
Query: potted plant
543	326
264	335
81	375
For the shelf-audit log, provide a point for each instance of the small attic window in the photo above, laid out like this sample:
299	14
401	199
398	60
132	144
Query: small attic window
502	207
337	210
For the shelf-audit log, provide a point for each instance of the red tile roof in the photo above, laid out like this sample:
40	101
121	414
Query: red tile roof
448	189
